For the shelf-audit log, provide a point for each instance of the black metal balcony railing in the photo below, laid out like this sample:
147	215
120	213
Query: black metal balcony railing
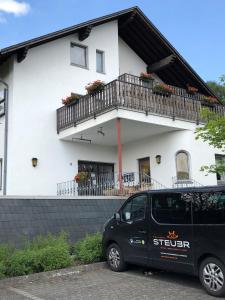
129	92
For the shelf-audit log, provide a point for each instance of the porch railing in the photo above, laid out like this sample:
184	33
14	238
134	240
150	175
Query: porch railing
109	185
129	92
184	183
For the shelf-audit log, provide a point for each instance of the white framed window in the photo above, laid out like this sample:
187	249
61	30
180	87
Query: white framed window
100	61
182	165
78	55
1	170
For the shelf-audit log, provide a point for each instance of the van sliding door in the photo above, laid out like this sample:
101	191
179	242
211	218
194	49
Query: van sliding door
171	237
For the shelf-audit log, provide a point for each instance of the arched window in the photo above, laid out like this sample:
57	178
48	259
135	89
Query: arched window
182	164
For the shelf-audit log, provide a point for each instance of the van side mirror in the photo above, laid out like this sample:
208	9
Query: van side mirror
117	216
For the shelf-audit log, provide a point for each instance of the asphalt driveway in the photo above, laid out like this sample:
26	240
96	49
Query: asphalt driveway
105	284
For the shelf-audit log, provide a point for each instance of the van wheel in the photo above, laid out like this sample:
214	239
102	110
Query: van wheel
212	276
115	258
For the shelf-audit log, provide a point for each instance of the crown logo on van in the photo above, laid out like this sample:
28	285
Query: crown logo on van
172	235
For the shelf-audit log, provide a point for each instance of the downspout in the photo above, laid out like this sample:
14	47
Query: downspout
6	93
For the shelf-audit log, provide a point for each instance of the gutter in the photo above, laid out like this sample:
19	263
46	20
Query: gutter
6	93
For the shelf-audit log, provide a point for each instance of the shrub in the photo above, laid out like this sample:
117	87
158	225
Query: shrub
22	262
89	249
43	253
52	258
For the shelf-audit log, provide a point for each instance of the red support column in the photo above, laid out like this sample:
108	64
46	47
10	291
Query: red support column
118	126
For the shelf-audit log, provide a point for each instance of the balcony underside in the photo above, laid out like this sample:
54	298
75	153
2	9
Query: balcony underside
134	126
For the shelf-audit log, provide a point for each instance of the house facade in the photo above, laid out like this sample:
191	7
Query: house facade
130	133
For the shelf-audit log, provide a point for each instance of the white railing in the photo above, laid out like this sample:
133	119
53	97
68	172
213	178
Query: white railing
184	183
109	185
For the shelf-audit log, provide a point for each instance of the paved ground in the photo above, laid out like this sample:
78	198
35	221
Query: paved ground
107	285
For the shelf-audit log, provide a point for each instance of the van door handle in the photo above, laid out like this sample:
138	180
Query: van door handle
142	231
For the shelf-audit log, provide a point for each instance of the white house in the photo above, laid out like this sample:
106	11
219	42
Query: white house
131	131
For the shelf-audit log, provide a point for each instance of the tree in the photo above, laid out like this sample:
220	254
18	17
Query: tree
218	88
213	132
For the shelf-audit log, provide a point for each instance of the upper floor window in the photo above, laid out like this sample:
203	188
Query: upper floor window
2	103
182	164
78	54
100	64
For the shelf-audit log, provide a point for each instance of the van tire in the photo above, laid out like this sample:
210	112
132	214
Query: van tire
115	258
212	276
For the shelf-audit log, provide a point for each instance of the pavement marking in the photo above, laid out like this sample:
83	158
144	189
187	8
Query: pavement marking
23	293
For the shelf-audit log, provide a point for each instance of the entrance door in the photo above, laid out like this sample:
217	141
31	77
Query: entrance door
144	166
144	169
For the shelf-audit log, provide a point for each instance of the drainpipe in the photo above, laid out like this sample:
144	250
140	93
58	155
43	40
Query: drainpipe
6	93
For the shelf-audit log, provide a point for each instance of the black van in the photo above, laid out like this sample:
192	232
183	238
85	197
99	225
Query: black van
181	230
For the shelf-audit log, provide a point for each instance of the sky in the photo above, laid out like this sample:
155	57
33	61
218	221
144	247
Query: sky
196	28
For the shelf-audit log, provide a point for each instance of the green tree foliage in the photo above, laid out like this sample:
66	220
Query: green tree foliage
213	132
218	88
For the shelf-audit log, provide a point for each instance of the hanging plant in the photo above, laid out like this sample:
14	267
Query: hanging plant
81	177
163	89
94	87
71	99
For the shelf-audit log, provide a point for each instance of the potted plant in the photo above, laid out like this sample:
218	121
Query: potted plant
94	87
163	90
73	98
191	89
146	79
81	176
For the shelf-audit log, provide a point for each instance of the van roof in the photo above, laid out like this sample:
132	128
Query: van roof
213	188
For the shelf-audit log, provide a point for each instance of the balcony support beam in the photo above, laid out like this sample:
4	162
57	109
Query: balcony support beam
161	64
119	145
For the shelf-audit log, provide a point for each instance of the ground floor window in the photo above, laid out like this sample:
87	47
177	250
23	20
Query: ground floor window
182	165
220	161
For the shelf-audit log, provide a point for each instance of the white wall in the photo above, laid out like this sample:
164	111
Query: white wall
129	61
167	145
40	82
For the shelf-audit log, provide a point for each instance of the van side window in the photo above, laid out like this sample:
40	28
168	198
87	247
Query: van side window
209	208
134	210
172	208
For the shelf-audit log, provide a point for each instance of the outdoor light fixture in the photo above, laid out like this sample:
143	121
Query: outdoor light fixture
158	159
34	162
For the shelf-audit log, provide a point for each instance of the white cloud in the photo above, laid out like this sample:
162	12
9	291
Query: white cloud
14	7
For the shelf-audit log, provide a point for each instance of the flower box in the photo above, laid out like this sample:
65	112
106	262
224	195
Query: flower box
209	99
146	79
95	87
163	90
73	98
191	89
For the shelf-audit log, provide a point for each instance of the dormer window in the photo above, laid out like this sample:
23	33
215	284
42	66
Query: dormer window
78	55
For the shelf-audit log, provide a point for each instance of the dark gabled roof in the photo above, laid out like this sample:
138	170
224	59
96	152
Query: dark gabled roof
142	36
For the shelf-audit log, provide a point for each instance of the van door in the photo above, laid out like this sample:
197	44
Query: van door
132	232
171	242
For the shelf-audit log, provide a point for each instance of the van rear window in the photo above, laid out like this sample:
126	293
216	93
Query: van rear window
209	208
172	208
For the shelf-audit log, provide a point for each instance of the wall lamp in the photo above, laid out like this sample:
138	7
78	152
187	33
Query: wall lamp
158	159
34	162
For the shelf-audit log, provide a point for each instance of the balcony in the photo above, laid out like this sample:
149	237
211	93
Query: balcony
130	93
